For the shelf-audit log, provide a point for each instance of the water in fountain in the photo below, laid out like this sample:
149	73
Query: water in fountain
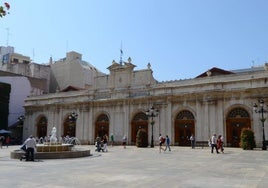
53	144
72	140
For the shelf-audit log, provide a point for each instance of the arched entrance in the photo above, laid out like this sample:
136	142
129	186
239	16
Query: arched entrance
184	127
102	126
140	121
69	127
237	119
42	127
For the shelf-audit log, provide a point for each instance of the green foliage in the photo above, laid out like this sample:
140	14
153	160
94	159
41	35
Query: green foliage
4	9
142	138
247	141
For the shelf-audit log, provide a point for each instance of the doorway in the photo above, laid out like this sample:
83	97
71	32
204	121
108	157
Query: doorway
237	119
102	126
184	128
42	127
140	121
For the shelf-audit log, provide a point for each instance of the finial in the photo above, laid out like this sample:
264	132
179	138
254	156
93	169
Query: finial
149	66
50	60
121	54
129	59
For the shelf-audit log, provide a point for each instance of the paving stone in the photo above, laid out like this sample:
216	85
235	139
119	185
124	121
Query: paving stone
140	167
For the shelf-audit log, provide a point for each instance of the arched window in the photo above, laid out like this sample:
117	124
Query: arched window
185	114
238	112
140	116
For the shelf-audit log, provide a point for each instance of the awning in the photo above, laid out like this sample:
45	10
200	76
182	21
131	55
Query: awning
3	131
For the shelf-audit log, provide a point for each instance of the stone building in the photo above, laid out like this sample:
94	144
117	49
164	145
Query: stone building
24	78
19	79
216	101
21	65
72	71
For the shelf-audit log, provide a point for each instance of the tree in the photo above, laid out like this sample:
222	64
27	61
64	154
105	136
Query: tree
247	141
4	9
142	138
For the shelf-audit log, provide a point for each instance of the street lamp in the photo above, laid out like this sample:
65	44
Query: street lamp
73	116
72	120
261	111
20	121
152	112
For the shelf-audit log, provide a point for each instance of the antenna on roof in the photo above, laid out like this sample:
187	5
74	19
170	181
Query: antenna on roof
121	54
33	54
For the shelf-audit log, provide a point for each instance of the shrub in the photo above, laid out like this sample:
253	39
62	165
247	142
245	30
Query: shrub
142	138
4	9
247	141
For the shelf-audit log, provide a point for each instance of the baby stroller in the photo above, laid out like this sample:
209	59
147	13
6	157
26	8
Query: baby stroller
23	148
99	146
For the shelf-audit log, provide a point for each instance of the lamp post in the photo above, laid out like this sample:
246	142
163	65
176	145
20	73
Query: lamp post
72	118
261	111
152	112
20	121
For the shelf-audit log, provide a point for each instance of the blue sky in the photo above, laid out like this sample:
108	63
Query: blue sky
180	38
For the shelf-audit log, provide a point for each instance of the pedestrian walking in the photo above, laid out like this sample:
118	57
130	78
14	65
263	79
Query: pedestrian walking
7	141
124	141
2	138
192	139
167	143
112	139
222	140
220	143
214	143
161	142
105	142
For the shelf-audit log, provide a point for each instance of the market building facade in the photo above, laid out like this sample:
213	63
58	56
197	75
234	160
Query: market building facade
216	101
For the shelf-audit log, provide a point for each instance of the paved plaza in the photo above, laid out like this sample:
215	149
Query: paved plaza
139	167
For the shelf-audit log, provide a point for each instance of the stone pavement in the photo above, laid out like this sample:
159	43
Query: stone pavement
140	167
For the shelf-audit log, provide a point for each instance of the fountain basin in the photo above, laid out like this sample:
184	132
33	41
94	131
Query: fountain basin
55	152
53	147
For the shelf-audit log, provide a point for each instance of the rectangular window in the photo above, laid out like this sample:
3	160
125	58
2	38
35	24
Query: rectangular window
15	60
25	62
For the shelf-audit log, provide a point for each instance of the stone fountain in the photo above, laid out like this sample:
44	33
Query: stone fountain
53	145
55	149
